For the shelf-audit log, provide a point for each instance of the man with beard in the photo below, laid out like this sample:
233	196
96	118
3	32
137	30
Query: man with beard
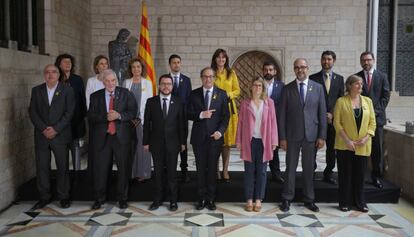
164	137
377	88
274	91
302	122
333	85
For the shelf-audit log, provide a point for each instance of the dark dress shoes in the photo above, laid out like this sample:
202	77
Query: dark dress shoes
123	204
97	204
330	180
173	206
200	205
211	205
343	208
311	206
284	206
41	204
278	179
154	206
377	183
64	203
363	209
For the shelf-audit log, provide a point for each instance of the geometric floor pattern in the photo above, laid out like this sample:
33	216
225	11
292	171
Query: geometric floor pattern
228	220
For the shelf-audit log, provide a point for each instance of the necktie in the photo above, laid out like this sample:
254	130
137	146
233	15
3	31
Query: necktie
302	92
111	124
164	107
369	80
206	98
175	82
327	82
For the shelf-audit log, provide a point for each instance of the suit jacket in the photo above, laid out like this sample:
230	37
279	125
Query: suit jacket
297	121
379	94
276	95
345	120
124	104
336	90
268	129
160	133
184	89
58	114
204	128
78	119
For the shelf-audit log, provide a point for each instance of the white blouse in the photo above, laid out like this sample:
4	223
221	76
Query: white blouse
258	118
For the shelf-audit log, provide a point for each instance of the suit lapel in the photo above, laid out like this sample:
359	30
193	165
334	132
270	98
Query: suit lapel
43	94
117	99
57	93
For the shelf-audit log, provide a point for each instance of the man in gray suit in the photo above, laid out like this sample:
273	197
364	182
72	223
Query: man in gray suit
302	124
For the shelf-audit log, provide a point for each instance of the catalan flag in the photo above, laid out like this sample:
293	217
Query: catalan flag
144	51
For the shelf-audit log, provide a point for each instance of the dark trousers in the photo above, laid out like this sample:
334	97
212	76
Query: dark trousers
255	172
207	156
165	168
75	153
308	161
275	163
330	151
43	157
184	159
377	155
351	172
102	167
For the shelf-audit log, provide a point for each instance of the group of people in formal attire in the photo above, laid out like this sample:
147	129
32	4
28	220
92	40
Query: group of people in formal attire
131	127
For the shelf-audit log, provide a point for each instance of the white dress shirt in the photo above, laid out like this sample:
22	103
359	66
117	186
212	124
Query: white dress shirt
51	92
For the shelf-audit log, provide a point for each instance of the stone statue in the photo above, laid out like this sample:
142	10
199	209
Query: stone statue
119	55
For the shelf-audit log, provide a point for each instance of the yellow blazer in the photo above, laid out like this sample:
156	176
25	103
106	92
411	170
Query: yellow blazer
344	120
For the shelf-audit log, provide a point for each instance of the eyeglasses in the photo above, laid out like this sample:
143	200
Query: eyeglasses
296	68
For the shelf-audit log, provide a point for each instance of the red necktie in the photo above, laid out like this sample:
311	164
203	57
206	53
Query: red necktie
369	80
111	124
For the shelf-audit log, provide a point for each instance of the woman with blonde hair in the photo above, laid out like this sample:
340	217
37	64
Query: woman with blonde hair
256	138
226	79
354	121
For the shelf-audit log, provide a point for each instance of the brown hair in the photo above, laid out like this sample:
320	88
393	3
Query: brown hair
132	61
96	62
351	80
226	65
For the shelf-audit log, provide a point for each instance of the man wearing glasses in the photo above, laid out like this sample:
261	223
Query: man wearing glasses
209	111
302	128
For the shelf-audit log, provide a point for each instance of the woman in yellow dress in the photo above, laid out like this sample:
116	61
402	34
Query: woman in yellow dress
226	79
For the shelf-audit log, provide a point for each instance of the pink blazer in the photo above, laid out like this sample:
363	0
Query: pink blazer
268	129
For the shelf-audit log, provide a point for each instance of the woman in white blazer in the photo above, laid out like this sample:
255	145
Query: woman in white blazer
142	90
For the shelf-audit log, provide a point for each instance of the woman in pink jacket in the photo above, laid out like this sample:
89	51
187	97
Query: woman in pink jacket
256	138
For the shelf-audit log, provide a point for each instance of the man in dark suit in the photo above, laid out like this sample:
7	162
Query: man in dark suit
333	88
51	110
182	89
209	111
110	112
274	91
376	87
302	123
164	137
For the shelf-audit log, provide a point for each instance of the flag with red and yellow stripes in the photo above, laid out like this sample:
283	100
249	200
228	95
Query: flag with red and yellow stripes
144	51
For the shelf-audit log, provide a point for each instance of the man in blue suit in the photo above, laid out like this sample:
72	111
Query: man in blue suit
182	89
303	125
274	91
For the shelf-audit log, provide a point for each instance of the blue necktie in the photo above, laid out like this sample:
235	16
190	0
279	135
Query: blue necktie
206	97
175	83
302	92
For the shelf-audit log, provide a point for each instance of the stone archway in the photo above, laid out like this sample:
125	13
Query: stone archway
248	66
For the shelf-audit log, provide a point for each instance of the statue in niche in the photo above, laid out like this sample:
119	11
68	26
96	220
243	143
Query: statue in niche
119	55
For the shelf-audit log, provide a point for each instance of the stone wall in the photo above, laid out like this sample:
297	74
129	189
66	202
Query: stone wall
19	72
196	28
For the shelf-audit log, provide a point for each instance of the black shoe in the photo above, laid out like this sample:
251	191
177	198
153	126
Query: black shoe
173	206
200	205
284	206
154	206
278	179
96	205
41	204
377	183
64	203
123	204
344	209
330	180
211	205
311	206
363	209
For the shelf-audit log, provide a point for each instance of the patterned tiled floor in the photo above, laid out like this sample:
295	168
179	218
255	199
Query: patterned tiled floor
228	220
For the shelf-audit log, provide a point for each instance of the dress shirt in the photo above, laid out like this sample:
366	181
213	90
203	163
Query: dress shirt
108	98
167	101
270	87
178	78
305	87
51	92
